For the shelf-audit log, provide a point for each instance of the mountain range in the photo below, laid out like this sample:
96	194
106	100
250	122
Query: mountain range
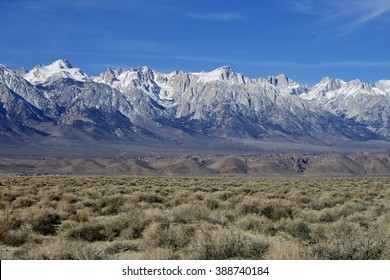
142	105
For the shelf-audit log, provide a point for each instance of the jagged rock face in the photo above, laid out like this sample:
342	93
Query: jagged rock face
18	117
128	103
108	77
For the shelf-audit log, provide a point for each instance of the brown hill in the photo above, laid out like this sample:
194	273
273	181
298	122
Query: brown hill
373	164
185	167
230	165
334	164
279	164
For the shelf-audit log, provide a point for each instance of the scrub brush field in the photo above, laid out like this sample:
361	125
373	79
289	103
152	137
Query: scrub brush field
52	217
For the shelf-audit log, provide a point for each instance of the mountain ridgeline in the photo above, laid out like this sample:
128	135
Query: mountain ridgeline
61	101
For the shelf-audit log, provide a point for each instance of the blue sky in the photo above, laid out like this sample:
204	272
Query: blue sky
306	39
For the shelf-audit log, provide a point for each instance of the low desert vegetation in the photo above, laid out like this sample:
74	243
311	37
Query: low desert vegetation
51	217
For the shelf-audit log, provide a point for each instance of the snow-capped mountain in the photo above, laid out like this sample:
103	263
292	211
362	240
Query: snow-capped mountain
139	103
60	69
365	104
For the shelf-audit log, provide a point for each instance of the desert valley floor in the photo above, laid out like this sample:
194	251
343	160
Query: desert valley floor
201	217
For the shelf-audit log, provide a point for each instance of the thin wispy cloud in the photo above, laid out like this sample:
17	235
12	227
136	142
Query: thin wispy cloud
367	11
364	64
332	64
348	16
217	16
50	6
301	6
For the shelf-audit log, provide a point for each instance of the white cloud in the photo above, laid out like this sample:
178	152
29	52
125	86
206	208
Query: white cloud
366	11
302	6
217	16
348	15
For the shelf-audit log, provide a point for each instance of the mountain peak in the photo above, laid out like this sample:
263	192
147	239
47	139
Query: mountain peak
58	69
60	64
118	71
281	81
325	80
145	69
282	76
21	71
224	73
108	76
356	82
225	68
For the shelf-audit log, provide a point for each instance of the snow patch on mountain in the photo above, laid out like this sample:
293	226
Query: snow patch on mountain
224	73
151	82
282	84
60	69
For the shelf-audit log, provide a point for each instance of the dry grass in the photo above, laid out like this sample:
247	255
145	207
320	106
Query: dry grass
194	218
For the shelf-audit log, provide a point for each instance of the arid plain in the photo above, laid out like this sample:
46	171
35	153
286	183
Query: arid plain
280	206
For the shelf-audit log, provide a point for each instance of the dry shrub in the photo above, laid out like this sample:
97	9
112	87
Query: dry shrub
16	237
22	254
69	198
180	197
68	224
249	205
67	210
131	224
71	250
168	235
160	254
276	210
349	241
10	228
282	249
298	229
149	197
47	224
22	202
4	224
272	209
118	247
318	233
327	216
199	195
363	219
188	213
111	205
3	205
225	195
326	200
308	215
220	217
217	243
257	224
83	215
211	203
91	232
